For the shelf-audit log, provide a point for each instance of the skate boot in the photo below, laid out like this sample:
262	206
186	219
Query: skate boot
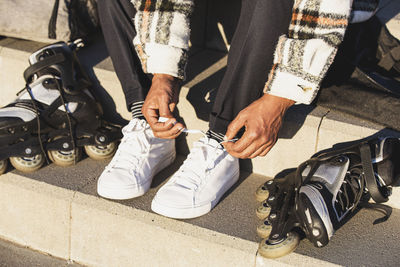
325	192
56	112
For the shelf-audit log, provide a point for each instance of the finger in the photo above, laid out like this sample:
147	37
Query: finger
259	151
175	135
234	127
245	142
171	133
172	106
248	151
171	136
234	154
164	109
265	152
228	146
161	127
151	115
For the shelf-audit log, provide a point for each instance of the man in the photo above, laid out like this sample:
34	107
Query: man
294	41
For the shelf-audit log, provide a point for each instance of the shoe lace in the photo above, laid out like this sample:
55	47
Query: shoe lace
351	195
350	192
133	148
203	157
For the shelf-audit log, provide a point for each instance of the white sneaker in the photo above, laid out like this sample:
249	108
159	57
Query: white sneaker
207	173
139	157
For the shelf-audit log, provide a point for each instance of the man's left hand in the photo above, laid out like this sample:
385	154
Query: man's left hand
262	120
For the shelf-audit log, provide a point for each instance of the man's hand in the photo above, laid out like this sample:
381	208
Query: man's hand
262	120
161	102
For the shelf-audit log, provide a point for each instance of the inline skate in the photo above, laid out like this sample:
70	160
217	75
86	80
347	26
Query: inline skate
55	114
324	193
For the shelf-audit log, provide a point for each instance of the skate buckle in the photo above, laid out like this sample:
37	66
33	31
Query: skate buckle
77	44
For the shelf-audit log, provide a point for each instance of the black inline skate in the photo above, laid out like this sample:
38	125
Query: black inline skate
56	113
324	193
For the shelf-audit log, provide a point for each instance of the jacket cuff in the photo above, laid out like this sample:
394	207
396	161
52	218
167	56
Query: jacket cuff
165	59
290	86
299	67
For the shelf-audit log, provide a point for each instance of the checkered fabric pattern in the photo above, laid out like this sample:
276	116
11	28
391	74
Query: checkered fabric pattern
304	55
162	39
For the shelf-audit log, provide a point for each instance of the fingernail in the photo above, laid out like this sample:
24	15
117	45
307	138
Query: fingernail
172	121
225	138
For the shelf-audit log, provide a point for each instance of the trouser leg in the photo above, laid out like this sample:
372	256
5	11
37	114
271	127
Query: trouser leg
250	58
116	18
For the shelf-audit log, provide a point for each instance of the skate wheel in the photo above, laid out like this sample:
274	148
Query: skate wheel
264	229
263	210
3	166
65	158
262	192
101	152
27	164
279	249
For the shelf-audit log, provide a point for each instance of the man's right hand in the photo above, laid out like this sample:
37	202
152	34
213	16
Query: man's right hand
161	102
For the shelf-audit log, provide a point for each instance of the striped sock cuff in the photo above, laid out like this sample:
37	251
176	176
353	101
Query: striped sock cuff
136	109
216	136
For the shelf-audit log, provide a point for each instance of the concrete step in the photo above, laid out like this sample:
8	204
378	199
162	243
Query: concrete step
56	210
306	129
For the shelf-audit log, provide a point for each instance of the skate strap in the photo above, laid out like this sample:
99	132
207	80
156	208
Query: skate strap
53	21
386	210
373	188
48	61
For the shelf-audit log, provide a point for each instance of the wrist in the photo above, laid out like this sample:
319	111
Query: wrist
282	102
165	77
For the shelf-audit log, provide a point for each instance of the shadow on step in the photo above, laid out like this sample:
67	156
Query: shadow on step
96	55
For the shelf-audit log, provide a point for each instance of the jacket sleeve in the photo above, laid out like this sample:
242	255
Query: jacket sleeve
303	56
162	35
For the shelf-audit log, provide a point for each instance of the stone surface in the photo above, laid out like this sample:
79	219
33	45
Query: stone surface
13	255
35	214
116	235
102	229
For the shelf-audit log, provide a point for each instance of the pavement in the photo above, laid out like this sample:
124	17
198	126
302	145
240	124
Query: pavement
13	255
65	211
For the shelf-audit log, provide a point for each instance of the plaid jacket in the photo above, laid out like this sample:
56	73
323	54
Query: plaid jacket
302	57
162	35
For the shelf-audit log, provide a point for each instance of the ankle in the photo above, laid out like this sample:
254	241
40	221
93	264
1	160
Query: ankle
136	110
219	137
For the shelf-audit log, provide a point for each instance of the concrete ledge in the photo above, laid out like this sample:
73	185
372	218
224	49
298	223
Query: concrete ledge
66	219
97	232
35	214
305	131
140	238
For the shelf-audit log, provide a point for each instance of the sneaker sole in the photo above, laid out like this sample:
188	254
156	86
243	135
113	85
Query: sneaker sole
192	212
134	191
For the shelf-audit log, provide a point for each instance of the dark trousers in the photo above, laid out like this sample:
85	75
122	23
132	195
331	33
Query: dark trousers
249	61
